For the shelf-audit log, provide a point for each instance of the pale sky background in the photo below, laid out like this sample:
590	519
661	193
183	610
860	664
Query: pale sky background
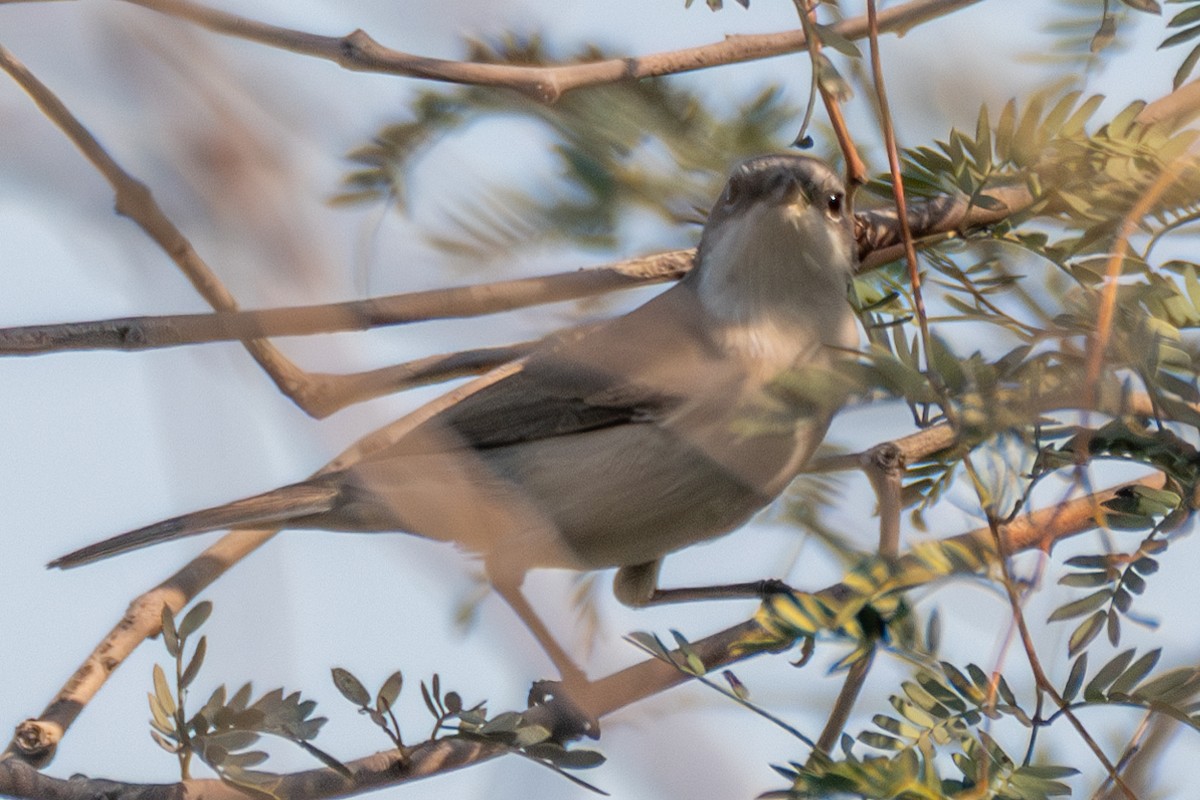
96	443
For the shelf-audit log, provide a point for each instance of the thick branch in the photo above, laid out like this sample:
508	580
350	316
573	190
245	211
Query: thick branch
18	779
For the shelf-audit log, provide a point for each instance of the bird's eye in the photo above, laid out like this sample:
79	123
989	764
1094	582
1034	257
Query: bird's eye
833	205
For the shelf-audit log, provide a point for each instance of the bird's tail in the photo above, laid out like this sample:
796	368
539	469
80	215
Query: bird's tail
280	505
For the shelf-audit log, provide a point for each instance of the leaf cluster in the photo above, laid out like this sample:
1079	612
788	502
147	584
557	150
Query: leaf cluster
940	710
221	732
515	731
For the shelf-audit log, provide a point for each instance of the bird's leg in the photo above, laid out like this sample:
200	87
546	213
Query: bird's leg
637	586
563	712
509	587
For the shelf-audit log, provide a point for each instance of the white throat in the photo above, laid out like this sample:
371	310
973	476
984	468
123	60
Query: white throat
776	277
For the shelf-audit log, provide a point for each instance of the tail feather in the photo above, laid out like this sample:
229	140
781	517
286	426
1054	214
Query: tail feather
280	505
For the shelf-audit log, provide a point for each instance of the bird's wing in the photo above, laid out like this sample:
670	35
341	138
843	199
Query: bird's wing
627	370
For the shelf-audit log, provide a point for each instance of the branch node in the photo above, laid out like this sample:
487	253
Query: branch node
886	458
35	741
353	47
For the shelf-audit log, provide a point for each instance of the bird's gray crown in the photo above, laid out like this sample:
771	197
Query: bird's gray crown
778	179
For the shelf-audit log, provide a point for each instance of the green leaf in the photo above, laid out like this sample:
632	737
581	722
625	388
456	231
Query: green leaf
1121	124
1075	124
241	697
1078	608
981	148
1185	69
159	717
1181	37
988	203
1148	6
880	741
429	701
350	687
164	743
170	637
1085	580
1096	687
1166	684
1145	566
1089	562
1185	17
1135	583
389	692
1122	600
581	758
831	81
1083	635
162	692
1075	678
961	683
231	740
193	667
1113	621
1135	673
194	619
507	722
250	758
1054	121
1004	130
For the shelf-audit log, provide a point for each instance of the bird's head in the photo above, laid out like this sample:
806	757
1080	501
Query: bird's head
781	236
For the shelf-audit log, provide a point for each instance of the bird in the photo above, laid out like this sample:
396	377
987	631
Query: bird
617	443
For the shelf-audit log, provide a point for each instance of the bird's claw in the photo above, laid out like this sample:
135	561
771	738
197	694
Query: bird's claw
552	706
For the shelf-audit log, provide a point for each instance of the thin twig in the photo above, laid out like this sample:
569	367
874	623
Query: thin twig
884	467
856	170
856	678
1039	674
889	138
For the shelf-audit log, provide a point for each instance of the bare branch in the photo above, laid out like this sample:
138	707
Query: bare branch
150	332
134	201
359	52
20	780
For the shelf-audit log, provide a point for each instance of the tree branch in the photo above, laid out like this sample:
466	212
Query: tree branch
135	202
151	332
359	52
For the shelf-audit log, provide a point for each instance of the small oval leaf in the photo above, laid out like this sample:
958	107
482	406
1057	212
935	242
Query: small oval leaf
350	687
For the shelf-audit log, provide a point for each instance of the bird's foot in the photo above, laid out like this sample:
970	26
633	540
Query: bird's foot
556	705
